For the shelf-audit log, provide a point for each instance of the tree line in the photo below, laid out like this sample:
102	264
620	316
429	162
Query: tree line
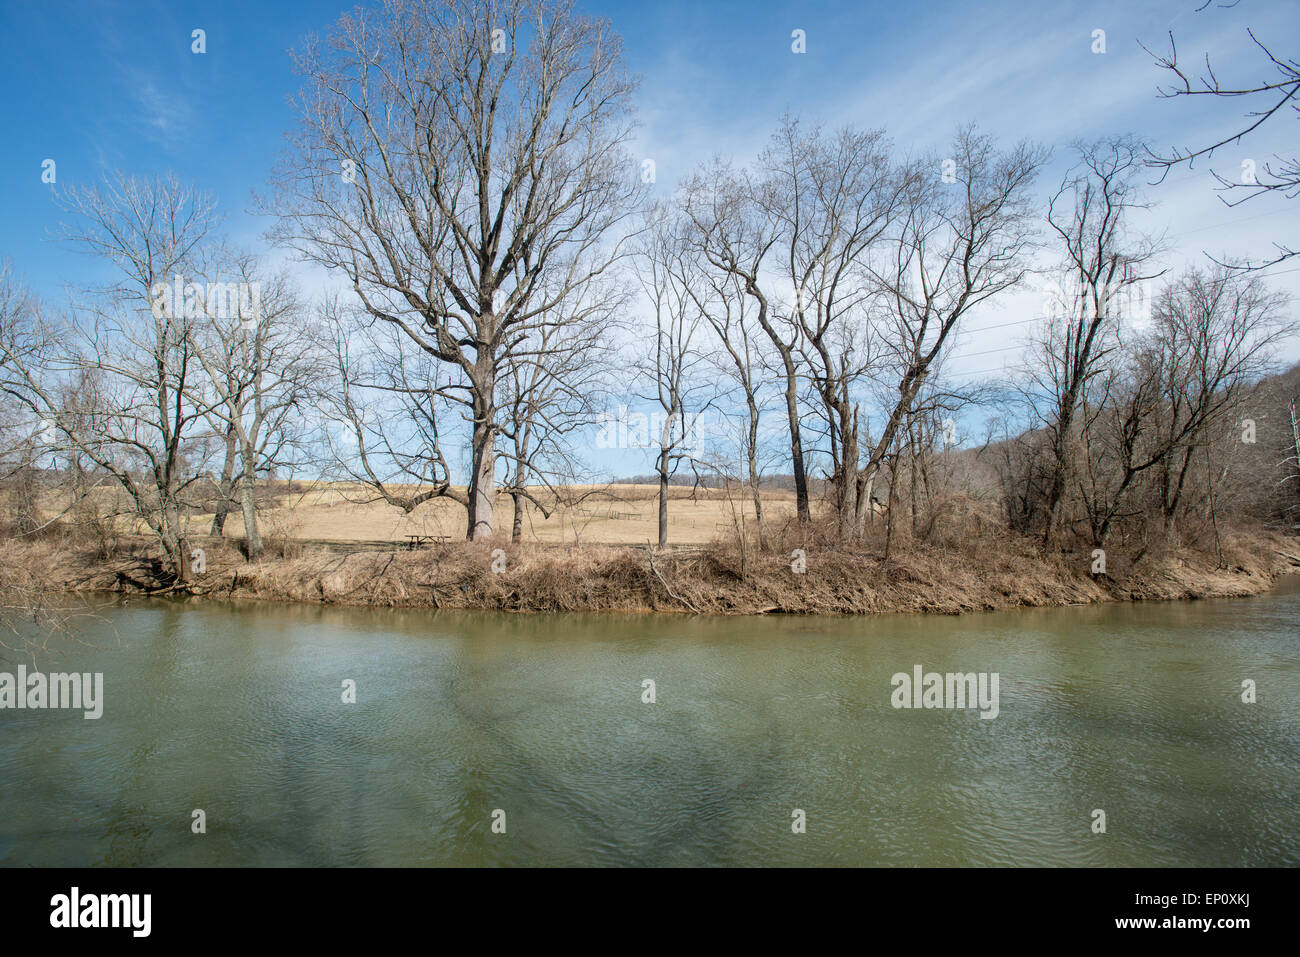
464	174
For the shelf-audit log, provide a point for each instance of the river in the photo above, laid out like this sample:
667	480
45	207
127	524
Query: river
1134	710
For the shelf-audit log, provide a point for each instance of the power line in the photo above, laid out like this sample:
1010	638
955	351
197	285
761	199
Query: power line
1023	322
989	352
1247	219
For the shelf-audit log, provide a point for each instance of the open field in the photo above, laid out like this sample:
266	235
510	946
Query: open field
592	514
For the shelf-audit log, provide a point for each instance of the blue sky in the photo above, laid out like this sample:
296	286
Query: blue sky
103	85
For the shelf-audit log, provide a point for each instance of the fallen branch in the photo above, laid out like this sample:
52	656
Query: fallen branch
668	588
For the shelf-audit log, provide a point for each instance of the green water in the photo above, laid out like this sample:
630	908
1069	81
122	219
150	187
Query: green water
1133	709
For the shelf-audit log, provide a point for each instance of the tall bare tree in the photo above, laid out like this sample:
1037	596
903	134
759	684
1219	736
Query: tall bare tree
463	164
832	196
262	368
735	232
959	244
673	366
720	298
1104	260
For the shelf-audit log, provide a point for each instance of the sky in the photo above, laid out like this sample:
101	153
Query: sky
98	86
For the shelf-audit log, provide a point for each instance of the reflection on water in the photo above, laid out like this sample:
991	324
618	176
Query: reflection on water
1134	709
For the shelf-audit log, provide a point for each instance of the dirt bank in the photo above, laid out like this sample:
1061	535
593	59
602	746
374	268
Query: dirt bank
720	578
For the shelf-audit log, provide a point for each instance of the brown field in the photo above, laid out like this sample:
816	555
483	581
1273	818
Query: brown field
596	515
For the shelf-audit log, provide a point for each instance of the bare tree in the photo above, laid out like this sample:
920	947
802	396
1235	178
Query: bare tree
463	164
1103	260
1278	95
261	370
1217	334
1157	408
832	197
25	615
673	367
23	439
736	234
552	383
959	245
118	382
720	298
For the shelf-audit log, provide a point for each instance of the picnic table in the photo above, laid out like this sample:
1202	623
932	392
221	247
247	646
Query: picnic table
415	541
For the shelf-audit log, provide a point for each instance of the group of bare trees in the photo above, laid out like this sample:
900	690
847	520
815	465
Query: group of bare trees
837	276
1123	396
857	274
188	350
1141	428
463	169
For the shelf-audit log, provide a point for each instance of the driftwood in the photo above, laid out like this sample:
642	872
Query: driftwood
668	588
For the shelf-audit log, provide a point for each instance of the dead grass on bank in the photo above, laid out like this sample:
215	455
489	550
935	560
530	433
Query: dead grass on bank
984	569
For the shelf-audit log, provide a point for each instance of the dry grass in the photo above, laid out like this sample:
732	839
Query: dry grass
985	569
604	514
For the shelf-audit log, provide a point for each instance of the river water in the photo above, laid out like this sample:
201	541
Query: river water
1134	710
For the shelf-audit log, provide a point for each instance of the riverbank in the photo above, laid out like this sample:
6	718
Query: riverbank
722	578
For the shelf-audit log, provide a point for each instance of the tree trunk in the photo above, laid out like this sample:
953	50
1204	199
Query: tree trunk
1214	514
227	485
174	558
796	442
757	493
482	485
1176	490
663	502
1061	450
912	450
1295	436
866	505
846	491
893	497
517	528
252	537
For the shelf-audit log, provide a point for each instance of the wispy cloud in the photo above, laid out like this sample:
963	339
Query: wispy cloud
165	115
